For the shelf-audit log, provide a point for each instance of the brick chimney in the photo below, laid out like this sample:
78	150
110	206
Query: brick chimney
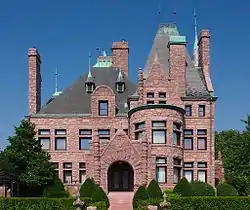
34	81
177	61
204	50
120	51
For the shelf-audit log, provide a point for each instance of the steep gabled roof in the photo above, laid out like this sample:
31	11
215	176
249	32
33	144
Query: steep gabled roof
75	100
195	83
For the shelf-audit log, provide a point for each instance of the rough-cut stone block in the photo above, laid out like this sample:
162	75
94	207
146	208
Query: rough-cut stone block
152	207
91	208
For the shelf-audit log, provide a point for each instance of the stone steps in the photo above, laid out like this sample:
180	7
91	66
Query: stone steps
120	200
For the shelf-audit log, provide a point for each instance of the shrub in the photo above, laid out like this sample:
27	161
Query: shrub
88	188
100	195
55	190
224	189
154	190
202	189
140	195
183	188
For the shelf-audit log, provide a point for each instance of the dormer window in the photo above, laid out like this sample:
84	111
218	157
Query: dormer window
120	87
120	84
90	84
90	87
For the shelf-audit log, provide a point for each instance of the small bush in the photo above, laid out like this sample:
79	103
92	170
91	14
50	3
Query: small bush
202	189
154	190
55	190
224	189
88	188
140	195
183	188
100	195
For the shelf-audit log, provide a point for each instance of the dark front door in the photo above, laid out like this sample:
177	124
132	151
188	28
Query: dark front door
120	177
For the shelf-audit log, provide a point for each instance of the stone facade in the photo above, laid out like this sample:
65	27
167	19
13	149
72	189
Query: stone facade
159	101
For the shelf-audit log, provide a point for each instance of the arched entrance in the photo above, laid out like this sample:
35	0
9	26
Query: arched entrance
120	177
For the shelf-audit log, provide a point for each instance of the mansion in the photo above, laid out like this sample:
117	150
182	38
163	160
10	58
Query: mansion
123	134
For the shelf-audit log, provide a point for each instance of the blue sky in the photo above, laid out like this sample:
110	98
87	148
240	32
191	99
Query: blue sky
65	31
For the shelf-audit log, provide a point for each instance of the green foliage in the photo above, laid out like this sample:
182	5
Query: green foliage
201	203
224	189
88	188
171	194
30	163
100	195
235	146
140	194
154	190
183	188
45	204
202	189
55	190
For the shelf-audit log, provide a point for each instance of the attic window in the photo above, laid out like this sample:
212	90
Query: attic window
120	87
90	87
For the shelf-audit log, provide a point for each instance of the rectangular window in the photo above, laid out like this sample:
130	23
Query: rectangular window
202	165
140	125
188	143
160	160
176	138
177	161
188	165
188	110
45	143
44	132
159	137
82	176
202	143
103	108
82	165
150	102
176	126
161	174
150	95
188	132
202	175
156	124
104	132
67	165
162	102
55	165
201	110
162	95
60	132
85	132
188	175
138	135
84	143
177	175
60	143
67	177
126	131
202	132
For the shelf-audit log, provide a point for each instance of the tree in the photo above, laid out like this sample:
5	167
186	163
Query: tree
55	190
88	188
183	188
100	195
235	147
154	190
247	123
224	189
30	163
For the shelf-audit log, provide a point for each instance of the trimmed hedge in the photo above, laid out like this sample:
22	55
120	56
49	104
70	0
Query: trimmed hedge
55	190
45	204
183	188
88	188
202	189
100	195
201	203
154	190
224	189
141	194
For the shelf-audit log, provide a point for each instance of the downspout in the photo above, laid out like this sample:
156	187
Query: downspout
211	139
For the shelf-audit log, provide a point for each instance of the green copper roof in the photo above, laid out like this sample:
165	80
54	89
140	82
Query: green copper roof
177	39
168	29
104	61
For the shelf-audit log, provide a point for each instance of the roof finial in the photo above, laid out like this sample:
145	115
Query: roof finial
89	61
195	49
56	81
